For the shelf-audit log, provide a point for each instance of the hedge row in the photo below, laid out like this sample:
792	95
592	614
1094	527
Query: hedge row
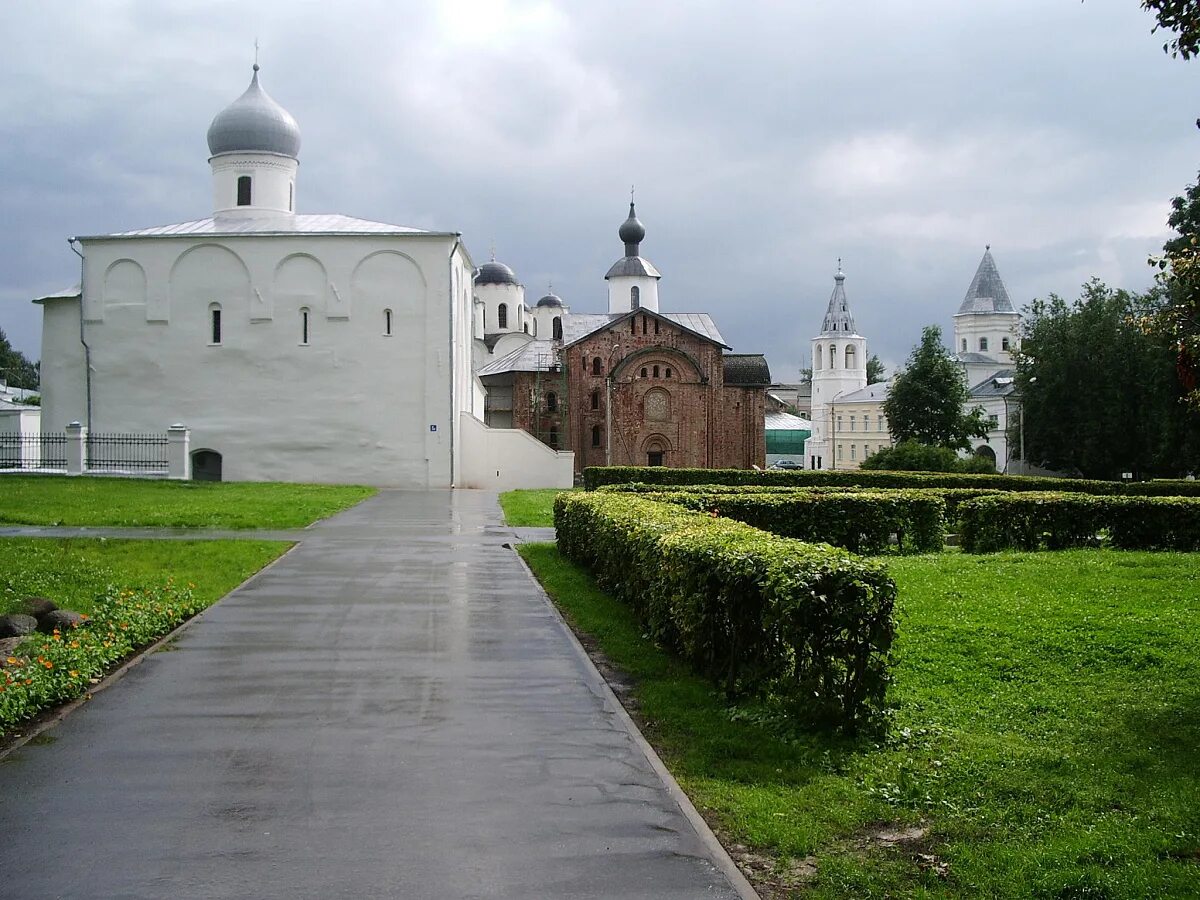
952	497
595	476
863	522
808	625
49	669
1054	521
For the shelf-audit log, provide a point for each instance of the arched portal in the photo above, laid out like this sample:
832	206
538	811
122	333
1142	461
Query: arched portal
206	465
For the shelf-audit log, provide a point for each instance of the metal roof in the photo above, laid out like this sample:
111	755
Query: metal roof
496	273
254	123
71	293
838	318
1000	384
528	358
987	293
577	326
748	369
975	358
282	224
781	421
872	393
632	265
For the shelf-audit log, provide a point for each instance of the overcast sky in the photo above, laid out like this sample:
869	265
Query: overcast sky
765	141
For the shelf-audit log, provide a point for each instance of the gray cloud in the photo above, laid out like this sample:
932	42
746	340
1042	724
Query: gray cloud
765	139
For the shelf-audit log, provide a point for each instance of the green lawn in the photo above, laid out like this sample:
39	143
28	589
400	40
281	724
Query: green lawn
1045	737
73	573
50	500
530	508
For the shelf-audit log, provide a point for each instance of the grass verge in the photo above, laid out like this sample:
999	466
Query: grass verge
132	592
1044	739
530	508
129	502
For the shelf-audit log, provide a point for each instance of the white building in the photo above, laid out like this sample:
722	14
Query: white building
839	367
295	347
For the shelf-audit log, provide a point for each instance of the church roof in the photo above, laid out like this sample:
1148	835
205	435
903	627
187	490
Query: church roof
254	123
872	393
987	293
631	233
577	326
1000	384
632	265
277	224
72	293
496	273
529	357
748	369
838	318
781	421
973	358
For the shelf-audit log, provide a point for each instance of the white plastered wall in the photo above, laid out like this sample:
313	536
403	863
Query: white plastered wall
504	459
353	405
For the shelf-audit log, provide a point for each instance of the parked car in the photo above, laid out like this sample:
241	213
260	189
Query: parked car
783	464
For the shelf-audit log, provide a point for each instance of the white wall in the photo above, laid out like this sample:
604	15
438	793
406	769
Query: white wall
353	405
503	459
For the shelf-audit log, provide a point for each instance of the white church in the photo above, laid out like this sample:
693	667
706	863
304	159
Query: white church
294	347
848	422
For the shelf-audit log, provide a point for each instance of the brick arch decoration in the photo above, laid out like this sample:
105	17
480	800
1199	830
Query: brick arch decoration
656	441
633	360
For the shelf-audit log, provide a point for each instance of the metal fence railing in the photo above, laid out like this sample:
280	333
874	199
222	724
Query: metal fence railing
33	451
127	452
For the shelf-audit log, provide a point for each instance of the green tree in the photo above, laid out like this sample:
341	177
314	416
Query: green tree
1099	393
910	456
927	400
15	368
1181	17
875	370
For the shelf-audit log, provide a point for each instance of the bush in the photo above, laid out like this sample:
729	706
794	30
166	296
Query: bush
910	456
595	476
1034	521
49	669
863	522
808	625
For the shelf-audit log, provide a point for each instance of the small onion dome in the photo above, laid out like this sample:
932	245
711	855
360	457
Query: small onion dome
632	231
254	123
496	273
550	300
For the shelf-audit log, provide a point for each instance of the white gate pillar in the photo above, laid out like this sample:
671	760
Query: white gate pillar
179	459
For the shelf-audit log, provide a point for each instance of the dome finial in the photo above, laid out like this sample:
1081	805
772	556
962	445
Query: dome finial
256	53
632	231
840	275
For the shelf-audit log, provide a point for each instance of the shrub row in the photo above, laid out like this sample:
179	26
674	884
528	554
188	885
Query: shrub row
1054	521
863	522
595	476
48	669
952	497
760	615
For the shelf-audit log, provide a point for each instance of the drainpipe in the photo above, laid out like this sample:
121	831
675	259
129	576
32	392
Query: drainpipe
87	351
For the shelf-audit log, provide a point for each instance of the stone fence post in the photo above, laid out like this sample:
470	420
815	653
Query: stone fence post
179	459
76	448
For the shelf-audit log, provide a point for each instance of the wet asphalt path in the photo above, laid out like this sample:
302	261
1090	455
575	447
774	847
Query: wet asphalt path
391	710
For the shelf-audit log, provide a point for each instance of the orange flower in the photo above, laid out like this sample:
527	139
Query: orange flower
74	674
12	660
48	664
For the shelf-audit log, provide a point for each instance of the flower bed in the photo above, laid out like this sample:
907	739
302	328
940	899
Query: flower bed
48	669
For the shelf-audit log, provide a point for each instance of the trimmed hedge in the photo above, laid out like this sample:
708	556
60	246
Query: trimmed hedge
808	625
862	522
595	476
1054	521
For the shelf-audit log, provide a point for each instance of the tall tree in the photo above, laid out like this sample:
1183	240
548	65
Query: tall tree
15	368
875	370
1181	17
927	400
1099	392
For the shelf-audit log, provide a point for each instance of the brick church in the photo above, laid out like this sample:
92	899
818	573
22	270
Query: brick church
633	386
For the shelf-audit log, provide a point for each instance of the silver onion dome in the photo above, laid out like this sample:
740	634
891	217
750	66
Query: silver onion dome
254	123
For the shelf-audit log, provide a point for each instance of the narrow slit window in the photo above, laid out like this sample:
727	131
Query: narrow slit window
387	322
656	371
304	326
656	323
215	321
243	190
645	329
291	196
668	371
554	438
552	402
596	366
635	297
502	315
595	399
595	435
643	371
556	328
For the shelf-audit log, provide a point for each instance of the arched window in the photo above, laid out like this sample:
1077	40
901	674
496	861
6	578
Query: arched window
597	366
502	316
552	402
656	324
556	328
214	323
656	371
964	345
525	327
534	328
635	297
644	372
291	196
554	438
595	435
387	322
833	356
304	325
1004	345
849	356
982	344
633	325
595	399
817	361
668	371
645	326
243	190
